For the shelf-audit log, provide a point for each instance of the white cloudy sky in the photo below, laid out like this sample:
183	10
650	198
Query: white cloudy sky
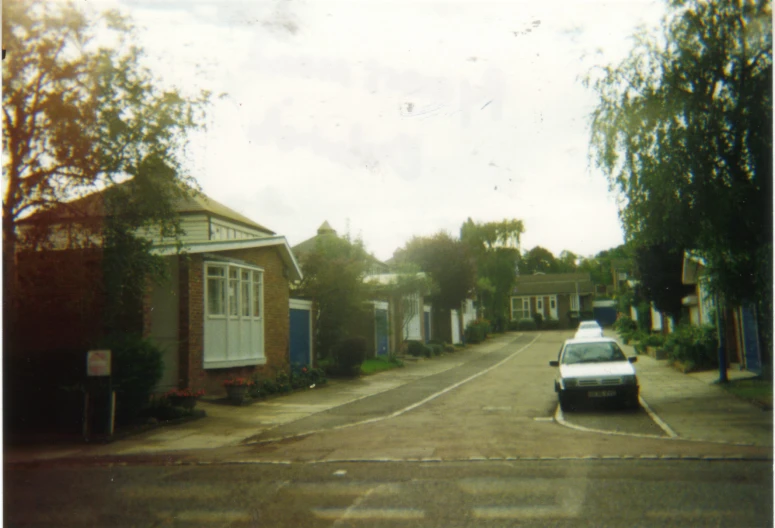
398	118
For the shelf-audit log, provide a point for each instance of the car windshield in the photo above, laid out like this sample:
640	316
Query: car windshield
588	326
592	353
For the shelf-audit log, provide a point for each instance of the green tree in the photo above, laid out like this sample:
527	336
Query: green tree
540	260
568	262
449	264
495	248
683	128
333	277
659	270
77	117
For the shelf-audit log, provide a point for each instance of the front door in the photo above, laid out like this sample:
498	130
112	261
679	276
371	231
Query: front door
300	332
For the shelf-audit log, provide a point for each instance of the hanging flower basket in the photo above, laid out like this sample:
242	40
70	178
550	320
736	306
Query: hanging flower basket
237	389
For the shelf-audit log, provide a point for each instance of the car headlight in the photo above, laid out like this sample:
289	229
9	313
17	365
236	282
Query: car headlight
630	380
570	383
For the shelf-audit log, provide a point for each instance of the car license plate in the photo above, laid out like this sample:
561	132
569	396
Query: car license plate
601	394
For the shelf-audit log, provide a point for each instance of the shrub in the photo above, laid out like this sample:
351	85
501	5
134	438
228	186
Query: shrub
415	348
693	345
137	368
477	331
436	349
526	325
551	324
625	324
349	355
513	325
538	318
653	340
449	348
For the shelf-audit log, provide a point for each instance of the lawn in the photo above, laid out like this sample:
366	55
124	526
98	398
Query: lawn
755	389
374	365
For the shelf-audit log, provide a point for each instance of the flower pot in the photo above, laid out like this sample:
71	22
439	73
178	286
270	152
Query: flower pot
237	393
186	402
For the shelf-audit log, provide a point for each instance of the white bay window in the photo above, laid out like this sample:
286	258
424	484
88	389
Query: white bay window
234	324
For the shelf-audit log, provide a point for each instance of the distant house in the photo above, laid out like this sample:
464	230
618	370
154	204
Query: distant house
223	311
565	297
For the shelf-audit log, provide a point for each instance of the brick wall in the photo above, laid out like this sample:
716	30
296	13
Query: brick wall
276	320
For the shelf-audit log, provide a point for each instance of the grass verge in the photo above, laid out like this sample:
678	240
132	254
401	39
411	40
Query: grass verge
374	365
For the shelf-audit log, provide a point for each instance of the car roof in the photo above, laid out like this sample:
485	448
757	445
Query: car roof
589	323
590	339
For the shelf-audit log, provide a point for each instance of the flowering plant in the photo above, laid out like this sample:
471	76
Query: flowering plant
185	393
238	382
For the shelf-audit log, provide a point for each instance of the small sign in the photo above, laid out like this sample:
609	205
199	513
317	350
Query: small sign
98	363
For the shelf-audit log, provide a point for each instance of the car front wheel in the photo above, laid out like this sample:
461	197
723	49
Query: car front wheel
565	401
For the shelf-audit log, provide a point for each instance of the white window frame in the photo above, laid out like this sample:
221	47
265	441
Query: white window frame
255	350
540	305
575	303
525	311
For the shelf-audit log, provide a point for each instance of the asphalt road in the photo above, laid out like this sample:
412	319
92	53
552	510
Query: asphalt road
438	438
540	493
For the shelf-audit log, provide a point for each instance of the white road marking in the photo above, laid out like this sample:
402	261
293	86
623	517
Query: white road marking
519	512
368	513
657	420
559	417
544	418
206	516
346	488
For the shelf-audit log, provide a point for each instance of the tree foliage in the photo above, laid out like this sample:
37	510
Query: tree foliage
495	248
77	117
659	271
539	260
683	128
449	264
333	276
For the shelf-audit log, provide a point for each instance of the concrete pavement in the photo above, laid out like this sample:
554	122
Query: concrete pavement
690	404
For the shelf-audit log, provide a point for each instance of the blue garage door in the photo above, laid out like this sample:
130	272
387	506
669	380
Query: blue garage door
300	334
381	327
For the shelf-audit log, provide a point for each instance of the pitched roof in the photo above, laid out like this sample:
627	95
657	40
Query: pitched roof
92	205
554	283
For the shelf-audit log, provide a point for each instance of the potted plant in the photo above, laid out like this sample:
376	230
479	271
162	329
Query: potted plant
185	398
237	389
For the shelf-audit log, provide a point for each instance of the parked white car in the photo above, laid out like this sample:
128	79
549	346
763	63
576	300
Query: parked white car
595	369
589	329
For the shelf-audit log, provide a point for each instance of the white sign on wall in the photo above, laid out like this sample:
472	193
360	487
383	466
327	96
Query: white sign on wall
98	363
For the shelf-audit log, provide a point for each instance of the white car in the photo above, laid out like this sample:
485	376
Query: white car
595	369
589	329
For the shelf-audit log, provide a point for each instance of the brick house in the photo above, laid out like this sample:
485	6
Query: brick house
223	311
560	296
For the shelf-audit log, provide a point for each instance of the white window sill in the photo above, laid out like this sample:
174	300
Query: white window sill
228	363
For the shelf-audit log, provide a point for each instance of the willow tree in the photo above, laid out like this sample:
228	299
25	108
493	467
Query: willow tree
683	129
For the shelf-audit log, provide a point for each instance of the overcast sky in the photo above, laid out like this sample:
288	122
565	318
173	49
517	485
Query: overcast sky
398	118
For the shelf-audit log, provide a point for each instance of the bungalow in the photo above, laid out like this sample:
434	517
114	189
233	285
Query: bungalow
561	296
222	312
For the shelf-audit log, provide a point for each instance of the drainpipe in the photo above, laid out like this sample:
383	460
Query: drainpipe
722	355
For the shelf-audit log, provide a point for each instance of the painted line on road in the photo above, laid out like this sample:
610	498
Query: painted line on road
559	417
409	407
401	514
656	419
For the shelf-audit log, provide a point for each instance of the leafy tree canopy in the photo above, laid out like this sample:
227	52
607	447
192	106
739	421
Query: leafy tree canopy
683	128
541	260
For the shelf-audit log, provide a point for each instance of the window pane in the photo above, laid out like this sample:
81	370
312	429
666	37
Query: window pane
215	296
232	273
215	271
233	292
256	299
245	275
245	297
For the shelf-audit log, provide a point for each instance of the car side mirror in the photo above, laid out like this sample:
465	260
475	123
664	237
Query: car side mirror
633	359
554	363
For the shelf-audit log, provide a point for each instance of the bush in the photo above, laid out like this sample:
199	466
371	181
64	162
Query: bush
625	327
551	324
415	348
526	325
436	349
653	340
693	345
538	319
449	348
477	331
137	368
349	355
513	325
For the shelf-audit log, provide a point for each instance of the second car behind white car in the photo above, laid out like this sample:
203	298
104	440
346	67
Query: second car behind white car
589	329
